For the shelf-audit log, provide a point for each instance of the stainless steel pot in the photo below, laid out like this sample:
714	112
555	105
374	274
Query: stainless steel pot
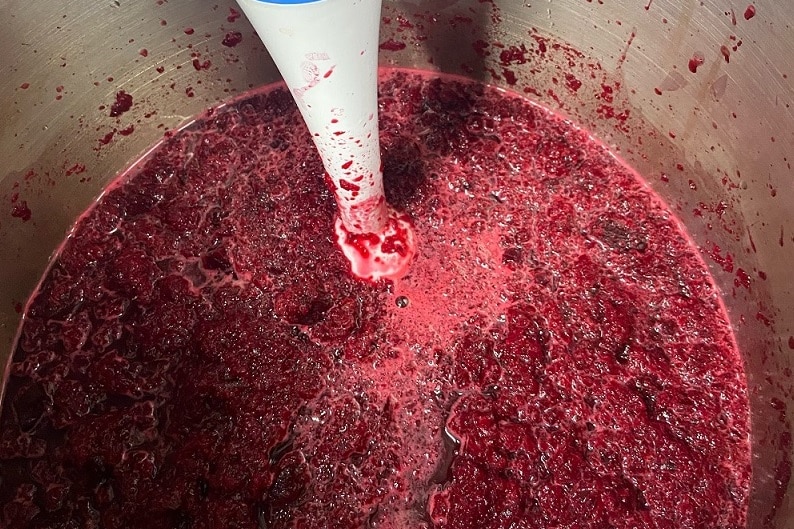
697	96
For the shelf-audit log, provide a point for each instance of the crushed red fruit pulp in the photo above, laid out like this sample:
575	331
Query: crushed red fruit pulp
199	355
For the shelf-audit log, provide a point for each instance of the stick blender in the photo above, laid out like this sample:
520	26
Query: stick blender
327	53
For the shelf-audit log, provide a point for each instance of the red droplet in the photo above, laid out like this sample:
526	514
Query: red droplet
122	104
198	65
697	60
189	31
726	53
347	164
510	76
232	39
348	186
144	52
75	169
21	211
749	12
742	279
572	82
392	45
24	86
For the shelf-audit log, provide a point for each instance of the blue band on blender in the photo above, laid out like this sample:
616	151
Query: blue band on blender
288	2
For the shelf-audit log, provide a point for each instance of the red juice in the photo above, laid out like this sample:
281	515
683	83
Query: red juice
199	355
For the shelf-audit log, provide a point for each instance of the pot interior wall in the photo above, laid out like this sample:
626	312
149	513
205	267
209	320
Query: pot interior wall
695	96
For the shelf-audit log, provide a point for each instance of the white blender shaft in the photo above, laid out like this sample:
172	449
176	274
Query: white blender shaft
327	53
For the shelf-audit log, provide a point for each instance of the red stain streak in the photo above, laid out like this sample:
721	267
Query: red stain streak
77	168
349	186
460	19
742	279
233	15
572	82
726	262
404	23
752	242
607	93
480	48
510	76
329	182
198	65
513	55
392	45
